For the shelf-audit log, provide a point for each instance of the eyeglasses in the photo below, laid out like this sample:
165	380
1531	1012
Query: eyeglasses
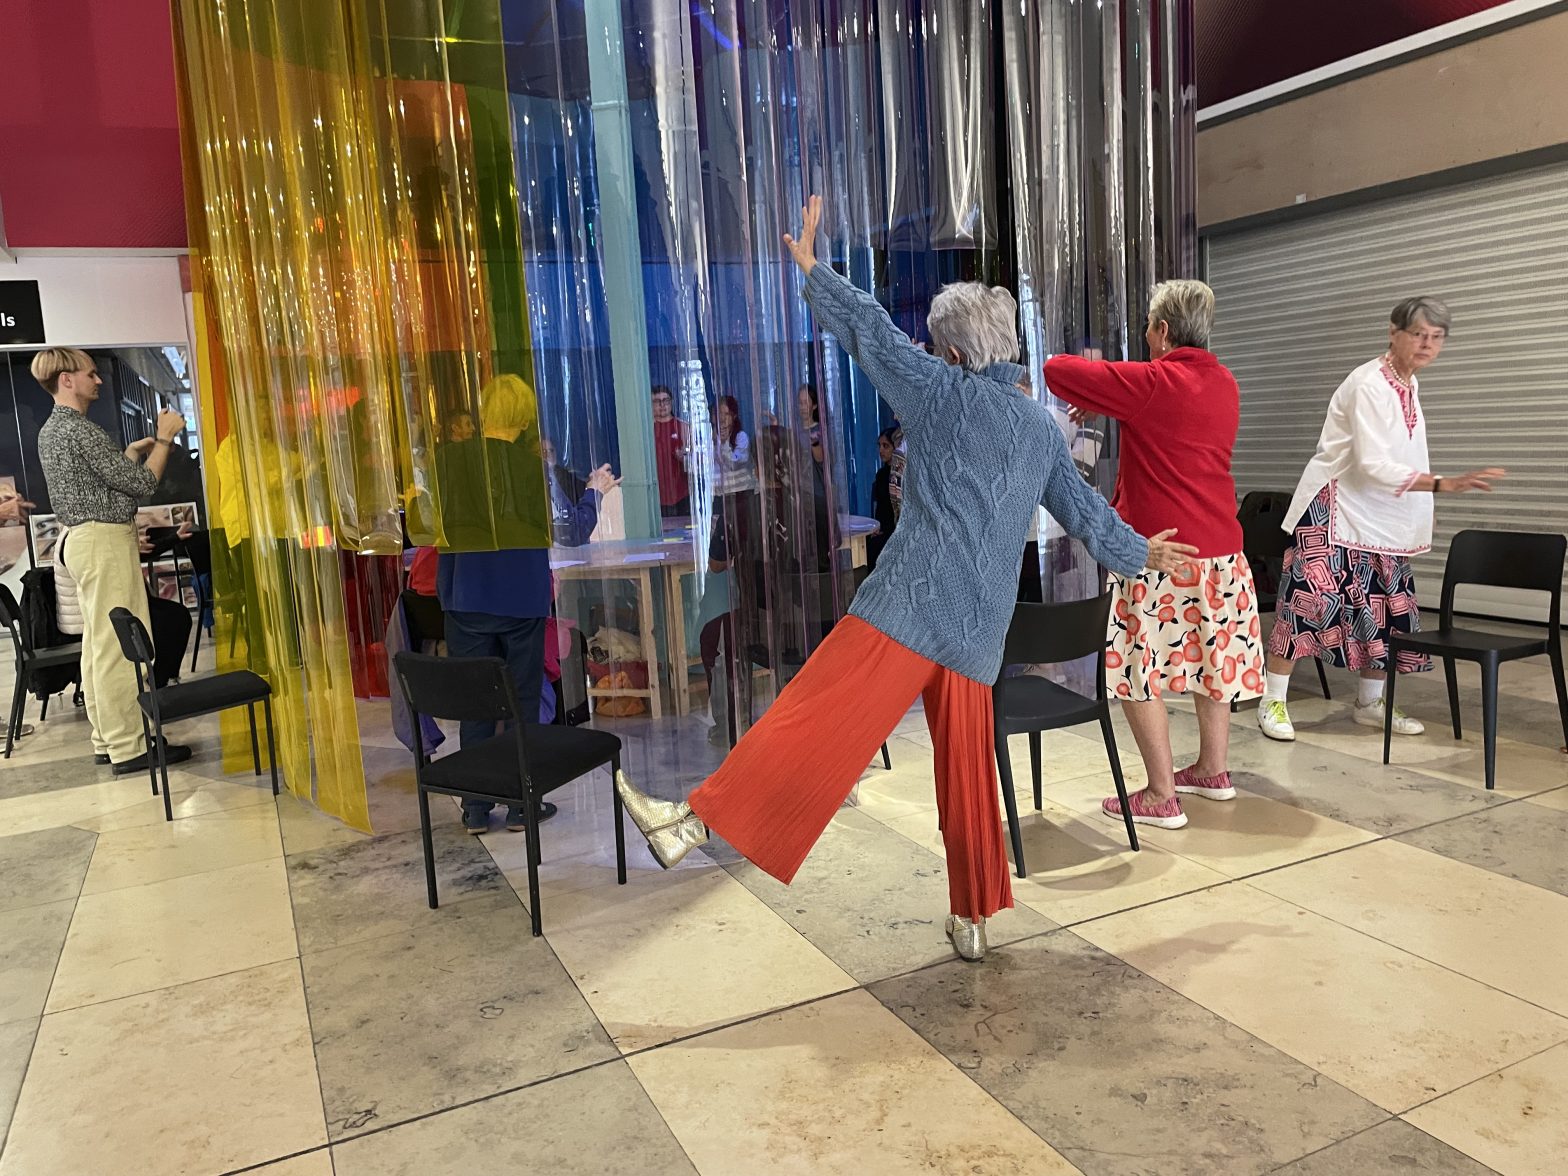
1437	337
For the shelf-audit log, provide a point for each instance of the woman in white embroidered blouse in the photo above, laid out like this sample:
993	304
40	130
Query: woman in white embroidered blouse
1363	507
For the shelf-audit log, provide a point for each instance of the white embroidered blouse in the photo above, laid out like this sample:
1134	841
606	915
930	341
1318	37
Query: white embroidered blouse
1373	447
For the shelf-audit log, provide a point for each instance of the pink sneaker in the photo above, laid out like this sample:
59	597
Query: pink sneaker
1211	787
1165	814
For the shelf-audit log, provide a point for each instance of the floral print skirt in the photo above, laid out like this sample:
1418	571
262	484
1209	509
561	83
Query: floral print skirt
1193	629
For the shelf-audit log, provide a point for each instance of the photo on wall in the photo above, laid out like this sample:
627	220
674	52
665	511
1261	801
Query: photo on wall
45	530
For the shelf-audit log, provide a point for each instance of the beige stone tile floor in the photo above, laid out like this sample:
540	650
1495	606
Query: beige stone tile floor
1350	969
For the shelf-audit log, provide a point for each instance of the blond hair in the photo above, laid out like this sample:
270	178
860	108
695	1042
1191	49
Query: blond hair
53	362
507	405
1187	306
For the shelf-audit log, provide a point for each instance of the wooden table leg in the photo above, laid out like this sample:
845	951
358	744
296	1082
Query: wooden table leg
650	641
675	610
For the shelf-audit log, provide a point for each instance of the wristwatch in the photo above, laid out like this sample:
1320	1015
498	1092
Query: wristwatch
1437	484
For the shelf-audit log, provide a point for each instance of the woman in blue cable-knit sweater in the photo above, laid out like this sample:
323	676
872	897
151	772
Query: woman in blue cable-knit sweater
932	618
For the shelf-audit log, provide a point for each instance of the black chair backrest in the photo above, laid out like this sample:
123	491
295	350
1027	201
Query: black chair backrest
425	617
1528	560
11	617
1262	518
134	641
459	689
1041	634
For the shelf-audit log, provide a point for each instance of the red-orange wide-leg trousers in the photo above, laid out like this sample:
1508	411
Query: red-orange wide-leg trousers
782	783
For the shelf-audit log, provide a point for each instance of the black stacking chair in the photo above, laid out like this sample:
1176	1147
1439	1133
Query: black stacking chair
28	660
1264	542
520	766
188	700
1492	559
1044	634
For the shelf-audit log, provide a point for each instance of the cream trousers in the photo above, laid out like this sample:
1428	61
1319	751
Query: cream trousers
104	561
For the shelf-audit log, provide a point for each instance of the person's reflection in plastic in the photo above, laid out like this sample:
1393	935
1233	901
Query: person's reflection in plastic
494	579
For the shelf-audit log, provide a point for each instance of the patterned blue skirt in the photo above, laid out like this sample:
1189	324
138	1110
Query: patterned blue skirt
1341	604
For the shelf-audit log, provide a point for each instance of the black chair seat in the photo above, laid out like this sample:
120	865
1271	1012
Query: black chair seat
54	655
186	700
556	756
1032	703
1460	642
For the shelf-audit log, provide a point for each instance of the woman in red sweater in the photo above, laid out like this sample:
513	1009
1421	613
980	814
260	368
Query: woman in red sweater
1194	630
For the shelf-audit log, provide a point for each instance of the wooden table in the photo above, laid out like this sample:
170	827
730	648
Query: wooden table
669	558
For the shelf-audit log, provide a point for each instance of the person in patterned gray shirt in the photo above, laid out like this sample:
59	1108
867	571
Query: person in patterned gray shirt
94	488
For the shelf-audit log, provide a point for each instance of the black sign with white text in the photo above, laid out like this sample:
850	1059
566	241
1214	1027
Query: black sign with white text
21	314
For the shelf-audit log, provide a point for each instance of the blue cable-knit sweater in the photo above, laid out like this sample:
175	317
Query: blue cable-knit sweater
984	457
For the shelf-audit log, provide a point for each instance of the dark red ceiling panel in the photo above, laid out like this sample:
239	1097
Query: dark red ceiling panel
1244	45
89	142
89	137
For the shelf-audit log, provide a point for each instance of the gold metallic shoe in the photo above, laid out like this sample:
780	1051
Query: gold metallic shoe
968	937
672	829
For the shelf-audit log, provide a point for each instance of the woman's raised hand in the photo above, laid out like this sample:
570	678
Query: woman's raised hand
1165	556
804	250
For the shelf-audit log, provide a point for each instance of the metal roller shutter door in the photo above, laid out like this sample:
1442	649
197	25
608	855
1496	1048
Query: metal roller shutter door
1300	304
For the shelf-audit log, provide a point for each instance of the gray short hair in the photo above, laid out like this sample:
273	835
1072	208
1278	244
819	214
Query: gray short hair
1187	305
979	322
1404	315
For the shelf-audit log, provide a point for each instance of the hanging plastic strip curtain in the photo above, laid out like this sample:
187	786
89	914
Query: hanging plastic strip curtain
578	205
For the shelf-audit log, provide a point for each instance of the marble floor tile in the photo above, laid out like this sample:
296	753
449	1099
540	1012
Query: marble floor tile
1235	838
460	1009
172	932
191	796
16	1050
199	1079
835	1086
1515	1121
1344	789
306	829
1120	1075
1555	799
35	776
672	954
30	943
1505	933
377	886
1079	870
871	900
314	1163
43	866
1393	1148
585	1124
176	849
1522	768
1370	1016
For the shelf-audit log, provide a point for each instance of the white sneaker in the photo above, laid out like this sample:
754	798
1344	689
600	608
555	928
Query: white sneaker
1371	715
1274	721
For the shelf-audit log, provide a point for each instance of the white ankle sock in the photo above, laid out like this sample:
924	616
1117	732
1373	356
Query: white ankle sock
1371	691
1275	686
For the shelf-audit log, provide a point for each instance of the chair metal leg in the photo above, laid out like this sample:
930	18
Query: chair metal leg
163	771
1034	768
255	749
43	709
1108	733
1489	720
1388	706
1322	677
619	810
1010	802
429	847
1452	675
272	750
887	760
533	863
1555	653
18	699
